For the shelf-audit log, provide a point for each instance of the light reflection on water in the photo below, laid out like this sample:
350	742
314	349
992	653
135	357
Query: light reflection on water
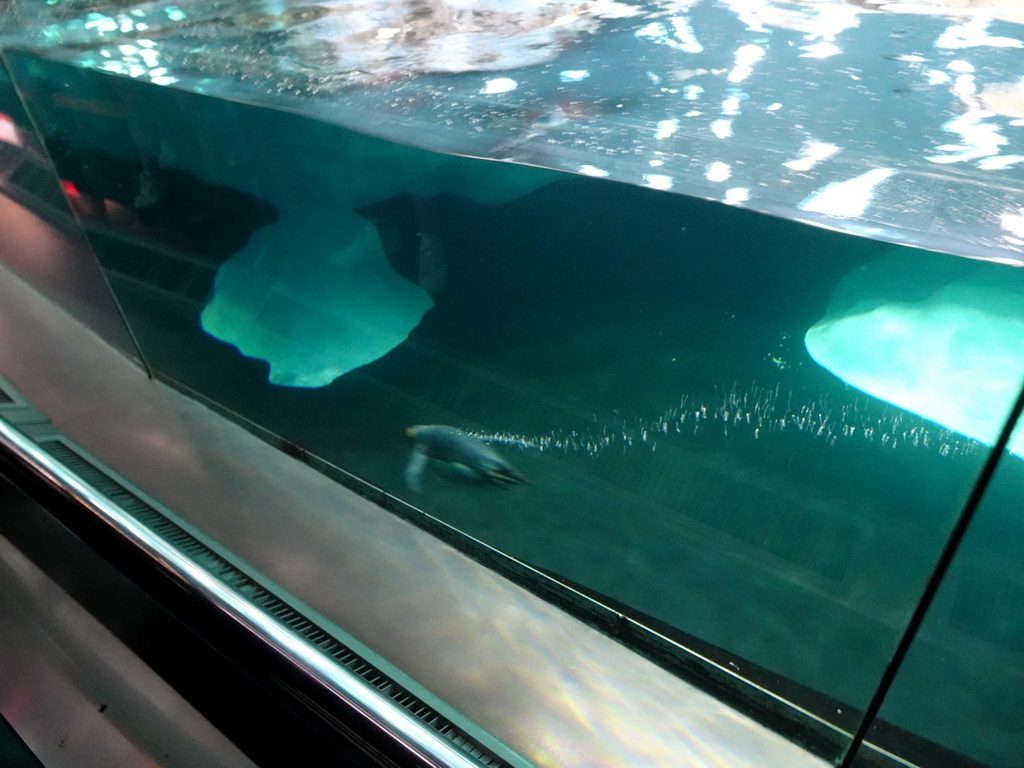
915	111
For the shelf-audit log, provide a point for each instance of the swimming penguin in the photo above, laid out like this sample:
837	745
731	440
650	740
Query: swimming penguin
455	447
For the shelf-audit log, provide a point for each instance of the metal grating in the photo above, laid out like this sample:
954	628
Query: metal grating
229	574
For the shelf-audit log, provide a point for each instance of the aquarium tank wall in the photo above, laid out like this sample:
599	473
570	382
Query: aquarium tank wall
704	321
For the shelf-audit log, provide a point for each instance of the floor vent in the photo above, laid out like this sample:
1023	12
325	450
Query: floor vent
228	573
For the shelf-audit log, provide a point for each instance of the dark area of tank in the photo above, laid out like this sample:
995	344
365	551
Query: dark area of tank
641	354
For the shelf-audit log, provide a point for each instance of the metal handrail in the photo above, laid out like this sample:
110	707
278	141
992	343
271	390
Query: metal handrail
424	742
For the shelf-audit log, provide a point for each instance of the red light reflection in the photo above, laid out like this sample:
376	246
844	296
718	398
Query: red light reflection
9	131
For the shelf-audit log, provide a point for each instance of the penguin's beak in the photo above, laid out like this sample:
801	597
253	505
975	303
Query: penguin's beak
409	432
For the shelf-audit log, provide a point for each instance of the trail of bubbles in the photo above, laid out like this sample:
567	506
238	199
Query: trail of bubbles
754	413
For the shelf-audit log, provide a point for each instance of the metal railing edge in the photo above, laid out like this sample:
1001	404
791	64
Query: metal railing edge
416	736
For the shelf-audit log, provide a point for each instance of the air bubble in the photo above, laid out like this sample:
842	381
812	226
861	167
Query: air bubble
745	415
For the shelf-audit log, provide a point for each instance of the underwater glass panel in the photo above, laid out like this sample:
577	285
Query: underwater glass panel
969	652
749	435
899	119
42	241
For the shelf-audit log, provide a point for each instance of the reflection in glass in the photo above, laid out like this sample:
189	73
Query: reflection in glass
749	435
639	357
970	650
41	240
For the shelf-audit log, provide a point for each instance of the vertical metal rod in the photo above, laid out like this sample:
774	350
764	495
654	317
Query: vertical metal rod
934	581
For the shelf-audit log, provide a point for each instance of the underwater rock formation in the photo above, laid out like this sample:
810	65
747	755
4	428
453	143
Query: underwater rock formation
330	311
314	295
943	338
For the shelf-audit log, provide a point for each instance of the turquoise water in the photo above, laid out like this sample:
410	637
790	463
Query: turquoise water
637	354
898	120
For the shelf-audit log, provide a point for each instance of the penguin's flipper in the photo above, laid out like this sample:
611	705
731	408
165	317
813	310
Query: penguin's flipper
505	476
414	470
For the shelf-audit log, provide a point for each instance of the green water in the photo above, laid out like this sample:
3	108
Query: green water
640	357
